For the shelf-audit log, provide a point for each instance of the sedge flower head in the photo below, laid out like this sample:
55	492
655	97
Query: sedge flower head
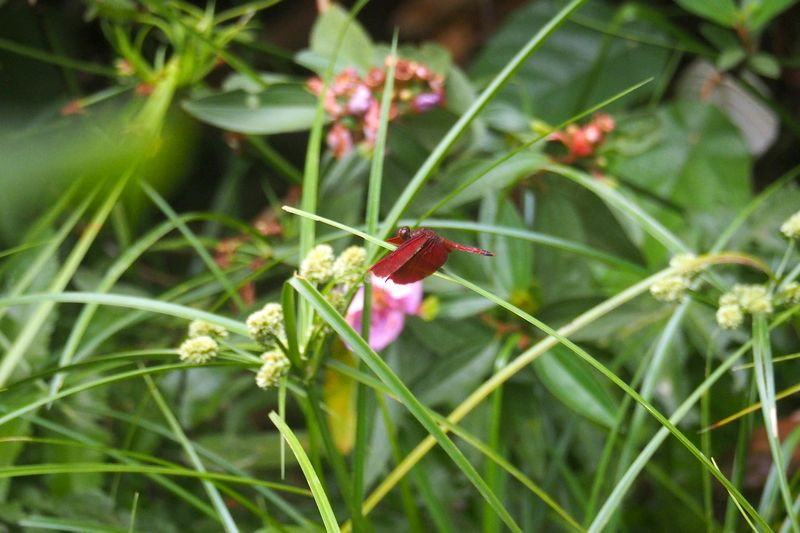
684	263
349	266
274	366
730	316
753	298
198	350
317	267
391	302
266	325
791	293
336	299
791	227
728	299
199	328
670	289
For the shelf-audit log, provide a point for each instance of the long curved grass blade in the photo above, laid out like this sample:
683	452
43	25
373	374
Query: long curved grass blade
619	491
54	59
213	494
544	239
65	273
318	492
132	302
359	455
525	146
619	202
458	129
765	384
794	389
212	265
580	352
389	378
43	469
113	274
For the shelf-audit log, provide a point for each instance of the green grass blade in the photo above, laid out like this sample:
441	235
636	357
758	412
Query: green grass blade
328	518
458	129
65	273
398	388
212	265
44	469
363	406
213	494
623	204
618	493
54	59
525	146
131	302
544	239
597	365
765	384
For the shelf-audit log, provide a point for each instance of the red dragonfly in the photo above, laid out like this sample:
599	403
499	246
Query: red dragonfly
419	253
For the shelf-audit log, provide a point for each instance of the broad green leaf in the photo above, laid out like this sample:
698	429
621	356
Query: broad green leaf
576	385
277	109
722	12
356	50
575	67
759	12
730	57
766	65
697	160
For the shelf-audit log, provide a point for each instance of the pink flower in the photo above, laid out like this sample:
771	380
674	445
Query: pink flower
426	101
360	101
390	305
340	140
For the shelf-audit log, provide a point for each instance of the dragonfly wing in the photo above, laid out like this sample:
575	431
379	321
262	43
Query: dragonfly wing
395	260
425	262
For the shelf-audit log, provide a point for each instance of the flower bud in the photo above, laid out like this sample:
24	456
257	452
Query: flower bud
670	289
791	228
730	316
317	267
200	328
266	325
198	350
753	298
791	293
275	365
349	266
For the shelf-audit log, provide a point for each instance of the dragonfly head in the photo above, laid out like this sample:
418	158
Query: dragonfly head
404	233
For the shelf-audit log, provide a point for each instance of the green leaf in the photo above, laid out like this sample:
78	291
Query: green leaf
730	57
277	109
759	12
576	385
576	67
722	12
698	159
766	65
356	49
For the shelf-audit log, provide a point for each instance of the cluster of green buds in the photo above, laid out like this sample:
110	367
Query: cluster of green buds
336	274
320	265
201	344
791	227
266	327
741	299
673	288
